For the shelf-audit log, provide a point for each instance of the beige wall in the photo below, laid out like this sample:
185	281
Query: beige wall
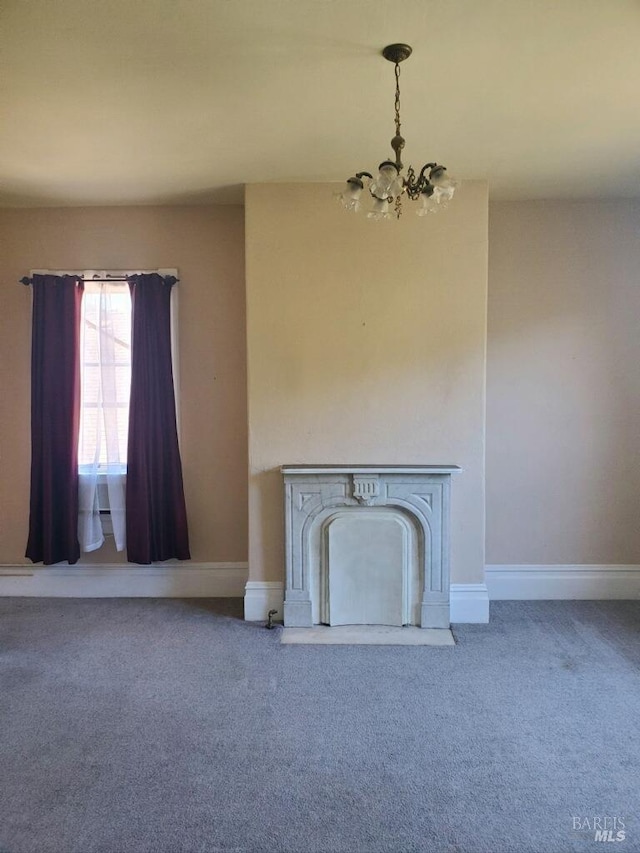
563	383
366	343
207	246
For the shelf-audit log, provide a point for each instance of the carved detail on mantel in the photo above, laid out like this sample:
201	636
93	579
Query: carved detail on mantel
425	499
366	487
305	497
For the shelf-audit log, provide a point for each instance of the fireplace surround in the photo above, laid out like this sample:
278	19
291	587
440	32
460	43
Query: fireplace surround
367	544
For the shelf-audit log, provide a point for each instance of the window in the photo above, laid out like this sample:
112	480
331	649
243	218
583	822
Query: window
105	347
105	376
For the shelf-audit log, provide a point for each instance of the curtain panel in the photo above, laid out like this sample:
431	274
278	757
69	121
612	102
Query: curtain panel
55	419
155	506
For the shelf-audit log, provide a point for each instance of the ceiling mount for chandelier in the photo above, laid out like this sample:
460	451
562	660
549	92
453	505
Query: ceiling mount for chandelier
432	187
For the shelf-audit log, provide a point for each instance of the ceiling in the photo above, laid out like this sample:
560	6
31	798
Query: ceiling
184	101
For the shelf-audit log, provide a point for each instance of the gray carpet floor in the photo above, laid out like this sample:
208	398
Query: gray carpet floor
167	726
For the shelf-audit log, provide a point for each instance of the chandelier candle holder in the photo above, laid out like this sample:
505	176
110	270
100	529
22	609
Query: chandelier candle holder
432	187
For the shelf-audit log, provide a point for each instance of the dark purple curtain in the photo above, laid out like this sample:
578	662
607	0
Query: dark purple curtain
55	419
155	507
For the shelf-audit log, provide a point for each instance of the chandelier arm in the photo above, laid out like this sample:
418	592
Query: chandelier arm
421	176
364	175
413	191
380	197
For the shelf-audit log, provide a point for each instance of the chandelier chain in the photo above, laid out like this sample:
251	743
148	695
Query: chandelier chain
397	99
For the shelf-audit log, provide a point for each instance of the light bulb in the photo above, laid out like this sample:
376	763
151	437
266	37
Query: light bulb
443	195
428	202
387	174
388	170
380	209
350	196
397	187
443	181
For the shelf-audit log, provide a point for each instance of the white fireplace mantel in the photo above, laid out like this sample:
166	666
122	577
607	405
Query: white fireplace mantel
367	544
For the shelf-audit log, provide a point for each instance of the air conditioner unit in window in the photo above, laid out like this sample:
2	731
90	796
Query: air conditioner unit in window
102	492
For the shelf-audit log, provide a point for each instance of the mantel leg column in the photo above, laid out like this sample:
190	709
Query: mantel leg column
435	614
297	611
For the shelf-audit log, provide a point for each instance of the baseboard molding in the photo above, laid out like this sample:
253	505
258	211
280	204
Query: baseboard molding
469	602
164	580
544	582
262	596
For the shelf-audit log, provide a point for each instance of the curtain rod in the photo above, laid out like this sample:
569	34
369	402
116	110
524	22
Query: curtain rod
100	277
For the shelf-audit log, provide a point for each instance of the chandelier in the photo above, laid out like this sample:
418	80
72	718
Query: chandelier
432	187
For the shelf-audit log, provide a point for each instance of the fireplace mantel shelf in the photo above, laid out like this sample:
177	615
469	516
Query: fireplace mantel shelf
370	469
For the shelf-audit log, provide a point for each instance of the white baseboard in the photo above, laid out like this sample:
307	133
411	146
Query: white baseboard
532	582
469	602
262	596
164	580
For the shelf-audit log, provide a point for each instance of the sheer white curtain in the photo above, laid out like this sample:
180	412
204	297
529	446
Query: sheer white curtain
106	382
